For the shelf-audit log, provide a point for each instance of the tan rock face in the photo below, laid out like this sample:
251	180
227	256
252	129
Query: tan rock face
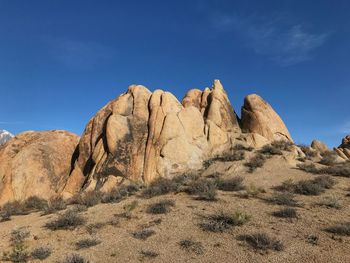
319	146
35	163
343	149
142	135
259	117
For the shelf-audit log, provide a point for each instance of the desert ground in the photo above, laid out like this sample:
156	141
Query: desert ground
127	231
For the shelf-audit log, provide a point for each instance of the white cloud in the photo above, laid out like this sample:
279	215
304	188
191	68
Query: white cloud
276	38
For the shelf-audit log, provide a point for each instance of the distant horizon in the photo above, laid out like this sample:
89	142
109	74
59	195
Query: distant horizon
61	61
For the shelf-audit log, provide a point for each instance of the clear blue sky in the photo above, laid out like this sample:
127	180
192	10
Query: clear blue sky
61	61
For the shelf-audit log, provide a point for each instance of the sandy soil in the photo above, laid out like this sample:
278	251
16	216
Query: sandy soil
118	244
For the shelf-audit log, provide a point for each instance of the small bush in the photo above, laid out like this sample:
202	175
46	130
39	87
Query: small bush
75	258
149	254
286	213
315	186
221	221
19	235
18	252
269	150
342	169
231	184
312	239
68	220
86	243
88	199
12	208
256	162
308	151
309	168
240	147
262	241
342	229
252	191
203	188
161	207
283	198
41	253
143	234
35	203
192	246
160	186
331	202
55	204
283	145
328	158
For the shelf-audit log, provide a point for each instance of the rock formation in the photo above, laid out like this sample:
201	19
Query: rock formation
35	163
343	149
319	146
259	118
142	135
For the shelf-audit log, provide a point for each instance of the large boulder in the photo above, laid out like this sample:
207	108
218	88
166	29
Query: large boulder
35	163
141	135
343	150
259	117
319	146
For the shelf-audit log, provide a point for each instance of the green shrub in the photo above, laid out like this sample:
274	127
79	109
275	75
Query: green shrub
35	203
160	186
68	220
283	198
286	213
161	207
262	241
203	188
328	158
331	202
143	234
256	162
342	229
86	243
221	221
75	258
192	246
230	184
41	253
55	204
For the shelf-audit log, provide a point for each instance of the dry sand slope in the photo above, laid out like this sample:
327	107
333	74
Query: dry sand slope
130	231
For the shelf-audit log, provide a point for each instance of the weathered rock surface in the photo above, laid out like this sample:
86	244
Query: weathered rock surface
343	150
319	146
260	118
35	163
142	135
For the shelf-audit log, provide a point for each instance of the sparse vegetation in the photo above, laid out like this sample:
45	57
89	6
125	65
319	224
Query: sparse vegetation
86	243
12	208
143	234
192	246
68	220
251	191
119	193
283	198
18	252
204	189
340	169
75	258
41	253
256	162
308	151
161	207
330	202
342	229
309	168
286	213
160	186
312	239
230	184
328	158
54	204
222	221
241	147
35	203
87	199
149	254
262	241
269	150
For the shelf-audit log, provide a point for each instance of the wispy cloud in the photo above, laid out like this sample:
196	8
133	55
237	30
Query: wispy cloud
345	127
11	122
79	54
277	38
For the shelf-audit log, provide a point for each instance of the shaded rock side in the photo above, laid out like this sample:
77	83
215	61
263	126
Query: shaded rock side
319	146
142	135
260	118
35	163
